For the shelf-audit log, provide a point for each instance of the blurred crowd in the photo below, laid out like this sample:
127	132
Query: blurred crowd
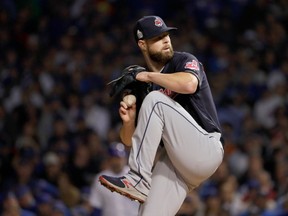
57	119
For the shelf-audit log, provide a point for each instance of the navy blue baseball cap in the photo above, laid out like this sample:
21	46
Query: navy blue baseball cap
150	26
117	149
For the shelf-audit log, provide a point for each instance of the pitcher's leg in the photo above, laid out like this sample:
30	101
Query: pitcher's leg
166	185
147	136
194	152
145	142
136	183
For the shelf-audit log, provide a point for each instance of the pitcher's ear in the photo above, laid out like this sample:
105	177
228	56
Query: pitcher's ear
142	44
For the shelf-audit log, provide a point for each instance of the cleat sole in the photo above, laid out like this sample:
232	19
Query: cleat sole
113	189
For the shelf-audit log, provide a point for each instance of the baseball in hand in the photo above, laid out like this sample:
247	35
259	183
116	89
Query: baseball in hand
129	100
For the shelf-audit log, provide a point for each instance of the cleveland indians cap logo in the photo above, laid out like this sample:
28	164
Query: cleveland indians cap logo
158	22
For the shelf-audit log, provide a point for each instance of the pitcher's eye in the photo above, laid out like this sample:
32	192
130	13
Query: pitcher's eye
162	36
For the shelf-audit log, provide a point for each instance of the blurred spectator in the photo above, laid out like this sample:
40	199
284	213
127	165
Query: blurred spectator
68	193
281	208
192	206
79	168
212	202
230	197
11	207
96	117
74	112
52	168
23	169
43	188
84	208
51	108
102	200
44	204
264	108
267	187
28	137
60	135
97	150
25	198
59	209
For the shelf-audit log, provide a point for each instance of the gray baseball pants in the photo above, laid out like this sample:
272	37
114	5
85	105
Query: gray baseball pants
190	155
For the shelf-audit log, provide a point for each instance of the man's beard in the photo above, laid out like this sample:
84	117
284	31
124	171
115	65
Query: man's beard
161	58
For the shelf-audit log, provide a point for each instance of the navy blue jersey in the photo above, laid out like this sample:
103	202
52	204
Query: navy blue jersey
200	105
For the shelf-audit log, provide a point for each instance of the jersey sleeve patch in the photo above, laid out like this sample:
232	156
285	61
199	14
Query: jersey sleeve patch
192	65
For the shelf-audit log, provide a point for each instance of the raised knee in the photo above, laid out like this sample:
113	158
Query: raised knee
154	97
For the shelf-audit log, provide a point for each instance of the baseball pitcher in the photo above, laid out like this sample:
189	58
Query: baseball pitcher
177	116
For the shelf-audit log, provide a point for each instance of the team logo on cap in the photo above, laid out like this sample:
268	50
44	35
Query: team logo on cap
158	22
139	34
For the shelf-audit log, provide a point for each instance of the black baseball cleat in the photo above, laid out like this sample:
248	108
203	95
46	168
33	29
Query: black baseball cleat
122	186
